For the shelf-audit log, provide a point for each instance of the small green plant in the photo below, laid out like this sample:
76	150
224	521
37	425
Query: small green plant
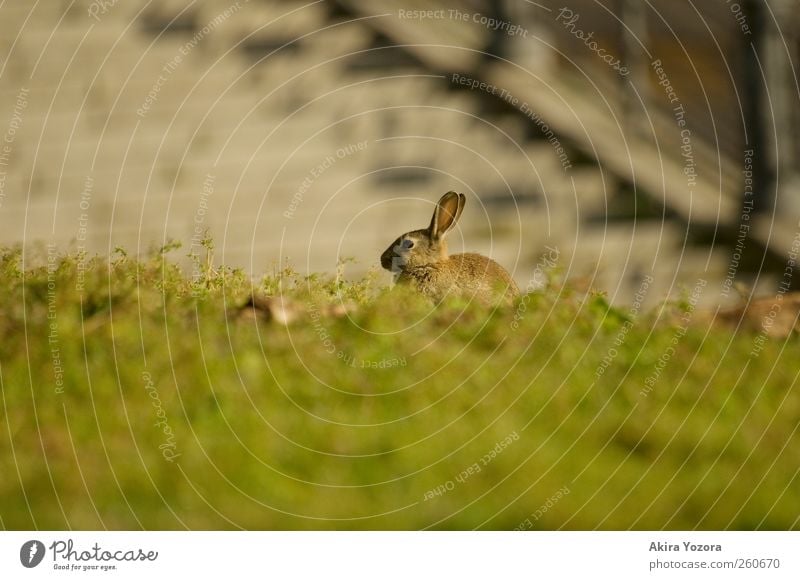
135	394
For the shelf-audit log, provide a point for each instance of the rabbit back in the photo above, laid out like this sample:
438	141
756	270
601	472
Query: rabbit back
470	276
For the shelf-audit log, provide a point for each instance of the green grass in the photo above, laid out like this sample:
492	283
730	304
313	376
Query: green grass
272	430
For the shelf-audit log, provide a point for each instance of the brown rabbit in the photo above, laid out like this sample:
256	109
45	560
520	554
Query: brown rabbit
420	259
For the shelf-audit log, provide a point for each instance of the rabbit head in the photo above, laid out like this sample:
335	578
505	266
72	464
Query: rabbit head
427	246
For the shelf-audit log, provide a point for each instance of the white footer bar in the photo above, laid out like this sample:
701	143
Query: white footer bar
402	555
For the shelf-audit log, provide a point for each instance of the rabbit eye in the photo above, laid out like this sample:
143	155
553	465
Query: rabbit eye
408	244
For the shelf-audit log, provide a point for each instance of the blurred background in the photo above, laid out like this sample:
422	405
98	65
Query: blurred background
636	138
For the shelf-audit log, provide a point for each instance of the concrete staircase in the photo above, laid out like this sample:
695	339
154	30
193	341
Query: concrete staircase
295	131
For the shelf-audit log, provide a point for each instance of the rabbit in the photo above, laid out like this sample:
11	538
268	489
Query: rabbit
420	259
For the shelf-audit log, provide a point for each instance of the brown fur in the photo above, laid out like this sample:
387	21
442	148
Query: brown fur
420	259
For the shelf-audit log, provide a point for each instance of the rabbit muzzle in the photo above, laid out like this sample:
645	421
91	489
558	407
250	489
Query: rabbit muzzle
394	258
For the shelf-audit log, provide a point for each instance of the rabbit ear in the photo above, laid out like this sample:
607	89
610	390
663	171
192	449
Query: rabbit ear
446	214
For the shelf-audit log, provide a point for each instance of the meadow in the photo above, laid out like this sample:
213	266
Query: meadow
137	394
